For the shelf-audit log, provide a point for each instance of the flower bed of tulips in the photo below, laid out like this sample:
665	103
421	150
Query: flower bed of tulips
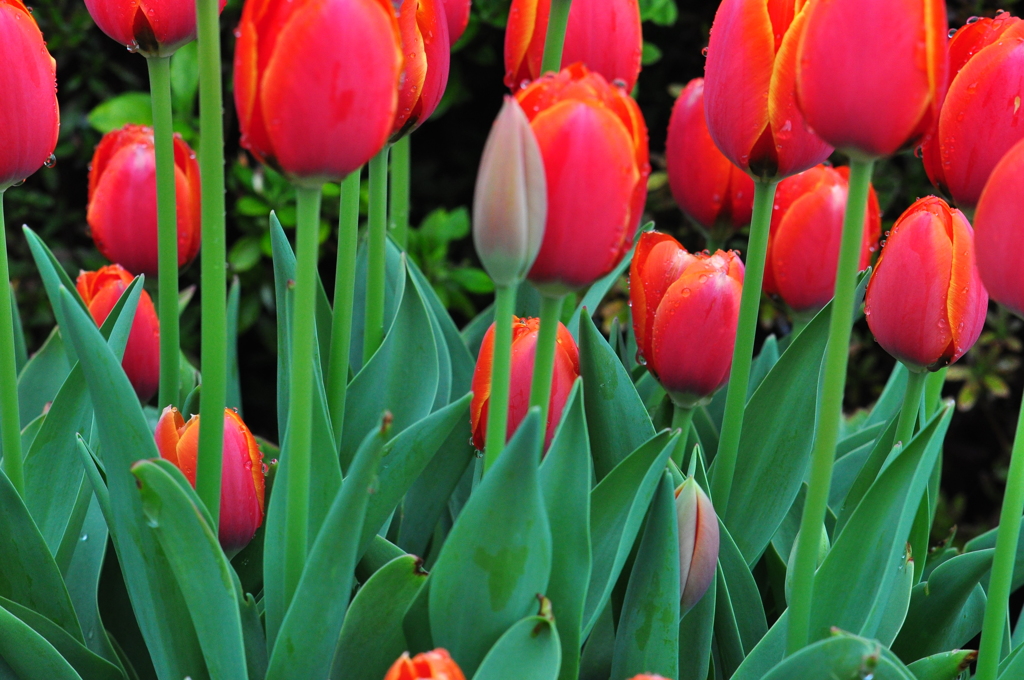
527	497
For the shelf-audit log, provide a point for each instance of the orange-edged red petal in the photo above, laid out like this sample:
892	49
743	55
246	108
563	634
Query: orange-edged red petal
414	65
998	236
167	433
967	302
524	39
658	262
188	449
242	484
433	665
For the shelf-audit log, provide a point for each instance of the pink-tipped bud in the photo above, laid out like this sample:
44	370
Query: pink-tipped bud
698	542
510	205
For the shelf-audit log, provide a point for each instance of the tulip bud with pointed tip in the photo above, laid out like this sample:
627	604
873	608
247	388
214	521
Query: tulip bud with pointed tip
433	665
427	50
698	542
511	200
154	28
998	234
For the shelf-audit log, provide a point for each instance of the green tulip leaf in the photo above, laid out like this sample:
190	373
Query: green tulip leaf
945	665
596	661
743	591
28	654
530	650
840	656
867	474
891	400
128	108
727	631
988	540
395	286
416	622
766	653
54	276
895	610
42	377
599	289
695	632
444	358
845	473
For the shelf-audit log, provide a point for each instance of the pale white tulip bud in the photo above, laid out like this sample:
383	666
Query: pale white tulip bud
698	543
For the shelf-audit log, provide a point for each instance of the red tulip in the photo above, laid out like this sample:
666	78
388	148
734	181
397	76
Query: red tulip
998	234
749	89
685	311
100	290
707	187
524	345
457	13
806	230
122	199
152	27
871	74
698	542
316	83
427	49
241	482
593	139
647	676
604	35
981	116
435	665
925	301
29	117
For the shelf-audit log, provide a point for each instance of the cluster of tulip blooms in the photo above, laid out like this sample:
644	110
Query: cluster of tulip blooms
642	553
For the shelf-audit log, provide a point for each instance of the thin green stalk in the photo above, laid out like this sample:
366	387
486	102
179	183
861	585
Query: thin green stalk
501	368
837	354
544	359
377	225
743	350
214	340
682	417
344	288
300	408
933	391
554	41
400	161
167	228
10	419
911	407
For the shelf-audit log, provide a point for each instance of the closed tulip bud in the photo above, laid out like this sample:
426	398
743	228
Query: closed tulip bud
434	665
716	194
925	301
685	312
524	346
871	74
316	83
698	543
806	230
604	35
998	234
427	50
100	290
511	200
593	140
153	28
122	199
29	118
749	93
457	13
981	116
241	481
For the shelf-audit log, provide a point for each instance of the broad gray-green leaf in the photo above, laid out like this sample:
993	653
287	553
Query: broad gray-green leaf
945	665
530	650
28	653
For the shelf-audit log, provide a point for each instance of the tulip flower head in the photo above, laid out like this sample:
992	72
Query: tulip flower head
925	302
427	50
122	199
749	89
524	346
154	28
434	665
593	140
316	84
100	290
604	35
646	676
981	116
242	482
685	312
698	542
511	201
29	117
998	234
871	74
712	191
806	231
457	13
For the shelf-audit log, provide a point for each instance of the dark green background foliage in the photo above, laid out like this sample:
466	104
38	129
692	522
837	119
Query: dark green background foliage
93	70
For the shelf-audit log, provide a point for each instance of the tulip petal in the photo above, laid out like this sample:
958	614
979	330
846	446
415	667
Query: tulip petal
524	38
705	553
606	36
997	231
967	302
658	262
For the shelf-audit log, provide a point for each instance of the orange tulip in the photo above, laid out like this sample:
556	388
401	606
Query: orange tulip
151	27
100	290
241	482
998	234
29	117
316	83
749	89
524	346
427	49
593	140
435	665
604	35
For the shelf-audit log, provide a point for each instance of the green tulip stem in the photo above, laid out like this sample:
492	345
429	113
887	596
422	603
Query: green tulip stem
300	407
743	350
10	419
1000	582
554	41
166	229
830	410
399	196
501	374
344	290
214	340
933	385
682	417
377	225
911	407
544	359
